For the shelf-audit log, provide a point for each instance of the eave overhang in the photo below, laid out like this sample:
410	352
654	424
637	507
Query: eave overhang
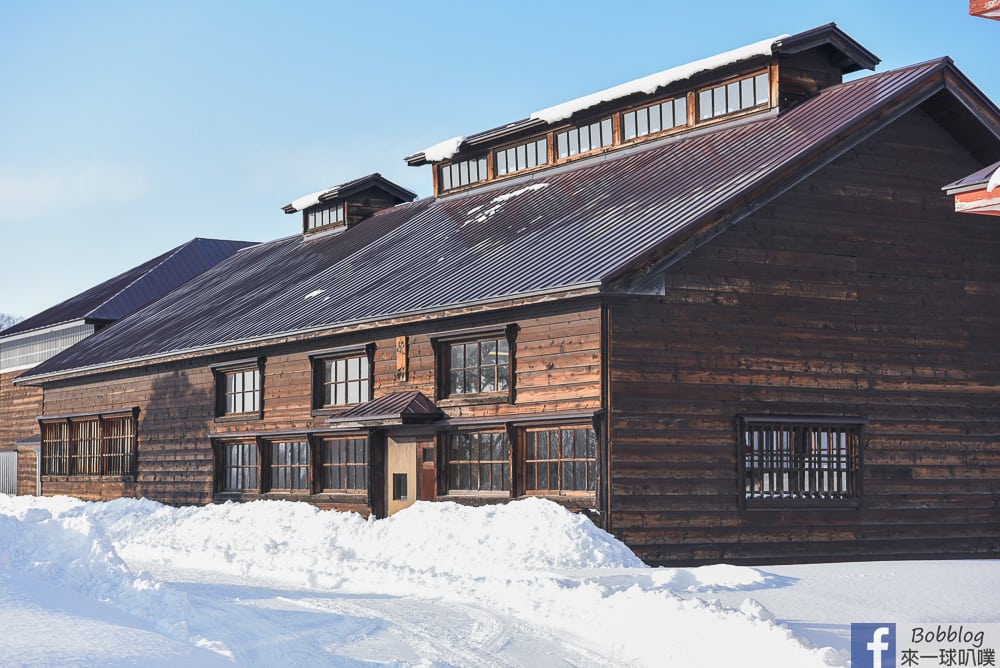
332	329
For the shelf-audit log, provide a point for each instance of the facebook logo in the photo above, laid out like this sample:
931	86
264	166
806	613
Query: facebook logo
873	645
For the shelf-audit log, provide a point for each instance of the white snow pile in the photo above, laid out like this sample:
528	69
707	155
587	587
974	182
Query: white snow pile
529	559
71	551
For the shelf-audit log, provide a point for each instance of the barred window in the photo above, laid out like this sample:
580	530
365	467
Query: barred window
97	445
290	465
240	467
86	447
478	461
559	460
794	459
55	448
345	464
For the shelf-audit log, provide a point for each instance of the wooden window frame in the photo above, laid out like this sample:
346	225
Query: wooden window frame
319	359
364	466
482	170
221	373
724	86
83	448
662	131
606	126
792	474
325	211
270	465
592	465
442	345
447	462
515	147
222	466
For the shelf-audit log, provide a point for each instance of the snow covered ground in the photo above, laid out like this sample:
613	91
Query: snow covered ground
136	583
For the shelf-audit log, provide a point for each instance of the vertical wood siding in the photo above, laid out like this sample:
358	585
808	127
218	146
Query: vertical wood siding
859	293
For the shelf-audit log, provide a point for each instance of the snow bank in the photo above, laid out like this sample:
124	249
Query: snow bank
530	559
301	545
71	551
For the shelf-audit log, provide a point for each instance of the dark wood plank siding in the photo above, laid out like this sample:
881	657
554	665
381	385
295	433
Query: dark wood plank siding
858	293
21	407
558	369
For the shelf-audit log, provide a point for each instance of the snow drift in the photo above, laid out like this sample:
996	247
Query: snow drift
530	559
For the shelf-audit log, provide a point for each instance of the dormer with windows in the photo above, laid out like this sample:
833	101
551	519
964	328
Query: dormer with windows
766	77
337	208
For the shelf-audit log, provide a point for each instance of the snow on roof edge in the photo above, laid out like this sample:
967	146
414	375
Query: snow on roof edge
994	181
652	82
309	200
443	150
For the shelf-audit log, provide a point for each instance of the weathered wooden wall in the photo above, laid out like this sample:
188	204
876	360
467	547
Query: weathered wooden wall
20	407
858	293
557	363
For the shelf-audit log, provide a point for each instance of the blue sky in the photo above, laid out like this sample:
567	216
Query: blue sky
129	128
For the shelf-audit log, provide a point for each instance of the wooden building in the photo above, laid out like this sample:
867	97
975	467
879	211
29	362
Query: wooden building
36	339
727	310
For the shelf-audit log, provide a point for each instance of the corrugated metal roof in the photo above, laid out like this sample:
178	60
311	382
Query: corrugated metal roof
135	288
578	225
405	407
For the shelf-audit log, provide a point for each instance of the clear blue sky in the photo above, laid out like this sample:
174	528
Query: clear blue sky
131	127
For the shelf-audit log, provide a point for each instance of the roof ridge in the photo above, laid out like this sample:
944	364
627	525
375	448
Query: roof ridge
170	254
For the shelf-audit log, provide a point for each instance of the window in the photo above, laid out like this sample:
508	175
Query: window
238	389
735	96
560	460
399	485
240	467
345	464
323	218
459	174
584	138
479	366
657	118
522	156
789	458
97	445
290	464
478	461
342	380
55	448
86	446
